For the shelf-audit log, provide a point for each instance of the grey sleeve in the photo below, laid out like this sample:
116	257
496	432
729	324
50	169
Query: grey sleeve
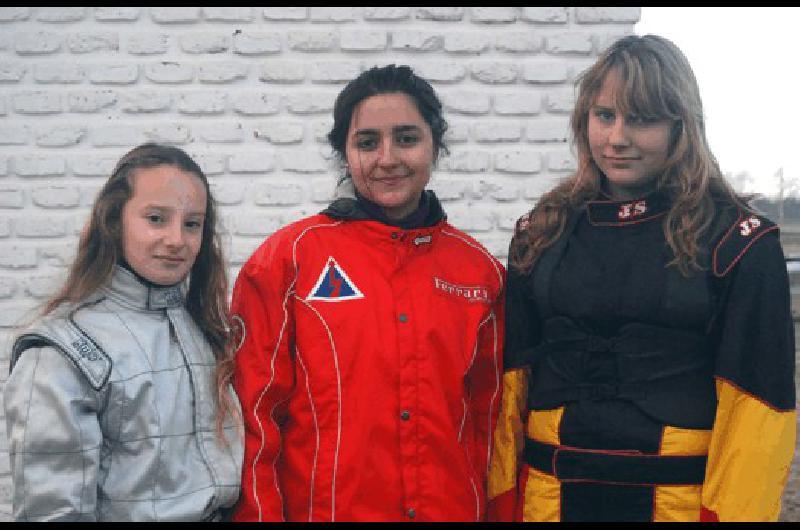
54	438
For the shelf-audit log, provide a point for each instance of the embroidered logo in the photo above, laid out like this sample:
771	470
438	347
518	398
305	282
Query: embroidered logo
238	332
632	210
748	225
471	294
173	297
333	285
86	349
161	298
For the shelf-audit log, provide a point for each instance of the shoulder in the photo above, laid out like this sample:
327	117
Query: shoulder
523	222
565	213
741	233
63	335
43	364
281	244
472	249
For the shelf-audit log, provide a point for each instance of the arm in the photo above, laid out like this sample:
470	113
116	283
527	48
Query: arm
484	385
263	379
753	436
509	436
54	438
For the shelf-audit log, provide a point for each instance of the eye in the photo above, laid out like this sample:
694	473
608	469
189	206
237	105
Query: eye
155	219
604	115
366	143
407	139
193	225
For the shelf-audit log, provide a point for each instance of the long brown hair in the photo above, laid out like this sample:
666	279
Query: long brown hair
658	83
100	249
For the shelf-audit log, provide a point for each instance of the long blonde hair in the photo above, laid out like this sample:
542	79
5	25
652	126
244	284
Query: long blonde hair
658	83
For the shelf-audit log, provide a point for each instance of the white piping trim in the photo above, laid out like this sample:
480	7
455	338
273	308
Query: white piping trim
469	367
494	396
477	337
289	291
463	419
493	318
339	406
477	500
482	250
316	431
271	414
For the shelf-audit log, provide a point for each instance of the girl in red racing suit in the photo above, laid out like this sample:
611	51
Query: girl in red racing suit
370	335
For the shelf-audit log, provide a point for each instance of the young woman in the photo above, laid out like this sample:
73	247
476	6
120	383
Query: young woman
649	355
369	365
113	408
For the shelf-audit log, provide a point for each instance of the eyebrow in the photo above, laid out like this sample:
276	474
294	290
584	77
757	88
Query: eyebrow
395	129
161	207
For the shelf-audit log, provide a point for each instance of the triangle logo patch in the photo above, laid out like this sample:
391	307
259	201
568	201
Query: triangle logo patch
333	285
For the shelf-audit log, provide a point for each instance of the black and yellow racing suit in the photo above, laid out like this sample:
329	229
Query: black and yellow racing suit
634	393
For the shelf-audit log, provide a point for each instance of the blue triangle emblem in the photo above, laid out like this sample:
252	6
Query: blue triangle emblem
333	285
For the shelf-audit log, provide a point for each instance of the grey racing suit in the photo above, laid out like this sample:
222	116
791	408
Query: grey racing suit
111	414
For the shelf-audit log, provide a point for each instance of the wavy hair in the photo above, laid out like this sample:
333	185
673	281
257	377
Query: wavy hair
100	249
657	83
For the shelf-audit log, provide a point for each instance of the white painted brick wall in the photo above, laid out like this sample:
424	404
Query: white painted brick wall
249	92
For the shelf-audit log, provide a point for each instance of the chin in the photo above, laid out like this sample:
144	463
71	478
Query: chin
393	204
627	181
398	197
166	281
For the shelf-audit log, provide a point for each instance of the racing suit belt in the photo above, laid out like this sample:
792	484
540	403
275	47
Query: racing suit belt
573	464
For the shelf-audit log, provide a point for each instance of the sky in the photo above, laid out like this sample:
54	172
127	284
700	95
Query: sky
747	63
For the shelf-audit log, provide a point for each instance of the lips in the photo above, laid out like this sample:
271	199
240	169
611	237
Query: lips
391	178
170	259
391	182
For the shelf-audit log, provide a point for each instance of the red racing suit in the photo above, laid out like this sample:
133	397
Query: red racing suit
369	370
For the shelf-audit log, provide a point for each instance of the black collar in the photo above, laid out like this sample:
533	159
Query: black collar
350	206
607	212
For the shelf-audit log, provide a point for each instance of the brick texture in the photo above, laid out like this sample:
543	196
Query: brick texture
248	91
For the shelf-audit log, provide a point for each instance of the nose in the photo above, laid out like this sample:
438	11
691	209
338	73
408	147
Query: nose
618	135
173	235
386	154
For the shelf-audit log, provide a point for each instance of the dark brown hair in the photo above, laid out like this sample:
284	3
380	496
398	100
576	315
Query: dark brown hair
388	79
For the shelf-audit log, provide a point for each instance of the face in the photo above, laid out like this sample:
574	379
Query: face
630	151
162	223
390	152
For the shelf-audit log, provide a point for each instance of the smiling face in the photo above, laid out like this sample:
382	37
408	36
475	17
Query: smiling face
162	223
631	151
390	152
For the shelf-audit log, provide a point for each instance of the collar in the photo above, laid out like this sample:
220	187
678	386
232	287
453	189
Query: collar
415	219
129	290
606	212
349	205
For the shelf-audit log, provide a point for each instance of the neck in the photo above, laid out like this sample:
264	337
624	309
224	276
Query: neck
413	219
626	193
127	266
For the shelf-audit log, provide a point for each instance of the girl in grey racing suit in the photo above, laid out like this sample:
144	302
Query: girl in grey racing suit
112	403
